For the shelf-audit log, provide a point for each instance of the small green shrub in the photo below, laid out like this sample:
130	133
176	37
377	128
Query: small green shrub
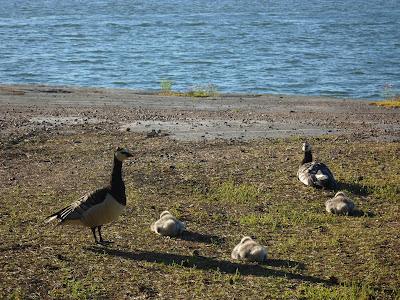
208	90
166	86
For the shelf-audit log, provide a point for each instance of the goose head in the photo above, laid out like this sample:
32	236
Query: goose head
122	153
306	147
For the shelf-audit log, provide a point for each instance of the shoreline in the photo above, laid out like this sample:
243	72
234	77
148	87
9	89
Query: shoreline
243	117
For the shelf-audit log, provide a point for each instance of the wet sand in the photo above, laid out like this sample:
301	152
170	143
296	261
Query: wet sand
27	110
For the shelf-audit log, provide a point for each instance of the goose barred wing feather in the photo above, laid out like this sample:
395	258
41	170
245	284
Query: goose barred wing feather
308	173
77	209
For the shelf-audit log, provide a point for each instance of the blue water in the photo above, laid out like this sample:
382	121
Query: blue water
315	47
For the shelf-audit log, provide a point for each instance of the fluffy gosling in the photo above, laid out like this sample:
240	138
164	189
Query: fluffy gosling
250	250
168	225
340	204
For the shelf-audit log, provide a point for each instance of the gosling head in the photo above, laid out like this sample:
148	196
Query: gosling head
122	153
340	194
245	239
165	213
306	147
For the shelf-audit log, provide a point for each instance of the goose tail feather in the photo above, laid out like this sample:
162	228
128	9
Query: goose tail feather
51	218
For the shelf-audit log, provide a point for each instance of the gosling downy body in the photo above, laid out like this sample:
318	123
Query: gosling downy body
250	250
168	225
340	205
313	173
101	206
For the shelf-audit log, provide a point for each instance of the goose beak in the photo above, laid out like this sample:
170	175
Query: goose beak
129	154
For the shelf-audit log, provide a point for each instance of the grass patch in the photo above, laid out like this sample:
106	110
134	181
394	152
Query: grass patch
313	255
203	91
230	192
198	91
389	103
353	291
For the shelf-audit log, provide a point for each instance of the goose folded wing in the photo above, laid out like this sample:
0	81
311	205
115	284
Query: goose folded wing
76	210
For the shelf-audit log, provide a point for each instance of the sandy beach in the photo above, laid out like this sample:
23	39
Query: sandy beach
28	109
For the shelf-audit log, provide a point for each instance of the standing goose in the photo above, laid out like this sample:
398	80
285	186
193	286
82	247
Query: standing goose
340	204
314	173
101	206
250	250
168	225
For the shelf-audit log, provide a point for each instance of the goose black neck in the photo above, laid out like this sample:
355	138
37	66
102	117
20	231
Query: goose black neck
307	157
116	183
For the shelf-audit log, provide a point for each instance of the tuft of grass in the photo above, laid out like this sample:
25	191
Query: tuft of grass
208	90
166	86
199	91
390	103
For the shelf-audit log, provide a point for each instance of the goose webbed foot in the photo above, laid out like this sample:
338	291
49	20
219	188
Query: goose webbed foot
102	242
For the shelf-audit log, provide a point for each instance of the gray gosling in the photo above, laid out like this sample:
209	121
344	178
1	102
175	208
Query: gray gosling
168	225
340	204
250	250
101	206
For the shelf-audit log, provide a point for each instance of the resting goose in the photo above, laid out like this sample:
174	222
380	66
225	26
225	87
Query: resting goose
250	250
168	225
101	206
340	204
314	173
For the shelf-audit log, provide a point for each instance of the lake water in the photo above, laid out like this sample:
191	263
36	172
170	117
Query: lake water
317	47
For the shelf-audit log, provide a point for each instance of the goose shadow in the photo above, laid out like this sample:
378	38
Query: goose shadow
206	263
354	188
201	238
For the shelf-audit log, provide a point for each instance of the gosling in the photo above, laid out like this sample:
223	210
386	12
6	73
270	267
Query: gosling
340	204
250	250
168	225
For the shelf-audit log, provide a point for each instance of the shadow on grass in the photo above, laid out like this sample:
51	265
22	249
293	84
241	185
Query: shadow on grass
360	213
354	188
205	263
202	238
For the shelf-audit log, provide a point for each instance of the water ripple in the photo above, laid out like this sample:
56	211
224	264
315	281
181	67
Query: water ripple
338	48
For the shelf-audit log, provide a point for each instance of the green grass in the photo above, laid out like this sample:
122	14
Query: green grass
393	102
166	86
198	91
202	91
222	191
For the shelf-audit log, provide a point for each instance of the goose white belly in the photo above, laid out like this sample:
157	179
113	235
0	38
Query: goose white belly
105	212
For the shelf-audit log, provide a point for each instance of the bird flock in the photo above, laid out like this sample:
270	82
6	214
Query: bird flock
104	205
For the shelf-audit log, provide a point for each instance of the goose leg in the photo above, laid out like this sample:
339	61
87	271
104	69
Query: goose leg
101	238
94	234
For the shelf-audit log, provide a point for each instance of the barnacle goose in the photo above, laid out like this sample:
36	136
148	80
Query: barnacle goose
340	204
168	225
250	250
314	173
101	206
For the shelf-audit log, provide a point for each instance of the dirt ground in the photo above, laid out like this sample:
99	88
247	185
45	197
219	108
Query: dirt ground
25	110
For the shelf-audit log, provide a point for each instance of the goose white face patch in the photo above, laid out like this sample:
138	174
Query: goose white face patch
306	147
122	154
